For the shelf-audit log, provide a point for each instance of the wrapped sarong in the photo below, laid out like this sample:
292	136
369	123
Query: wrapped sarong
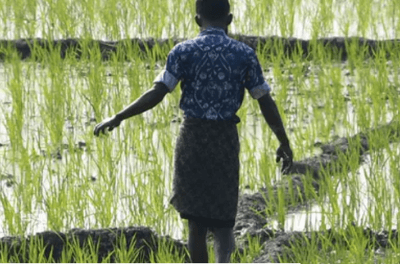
206	172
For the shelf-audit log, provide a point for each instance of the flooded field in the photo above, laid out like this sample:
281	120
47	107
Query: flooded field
370	192
55	175
68	159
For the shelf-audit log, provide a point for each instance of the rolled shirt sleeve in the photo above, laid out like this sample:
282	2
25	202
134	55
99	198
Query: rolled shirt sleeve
172	73
255	82
168	79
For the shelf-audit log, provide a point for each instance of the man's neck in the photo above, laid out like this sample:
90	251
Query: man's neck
216	25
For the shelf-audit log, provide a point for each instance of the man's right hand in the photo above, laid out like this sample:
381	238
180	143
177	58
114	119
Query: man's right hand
285	153
110	123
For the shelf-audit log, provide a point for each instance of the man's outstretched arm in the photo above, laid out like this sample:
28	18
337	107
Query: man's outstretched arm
273	118
148	100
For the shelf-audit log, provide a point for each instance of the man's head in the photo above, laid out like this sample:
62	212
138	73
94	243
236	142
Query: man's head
213	13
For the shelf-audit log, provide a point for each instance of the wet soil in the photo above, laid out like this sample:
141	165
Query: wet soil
251	218
108	241
277	245
339	47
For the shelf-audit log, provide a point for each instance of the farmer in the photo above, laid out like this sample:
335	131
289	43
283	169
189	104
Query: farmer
214	71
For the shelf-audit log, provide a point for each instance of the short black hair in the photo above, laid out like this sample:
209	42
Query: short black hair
213	9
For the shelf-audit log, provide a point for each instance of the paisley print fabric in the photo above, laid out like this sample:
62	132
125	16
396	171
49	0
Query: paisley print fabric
214	71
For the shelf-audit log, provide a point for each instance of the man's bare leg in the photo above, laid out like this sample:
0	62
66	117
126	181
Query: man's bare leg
197	242
224	244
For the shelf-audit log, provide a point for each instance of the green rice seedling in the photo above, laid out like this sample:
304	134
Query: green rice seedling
15	124
318	248
389	256
167	253
15	119
12	218
88	253
32	250
363	8
124	254
53	110
54	209
286	17
4	254
303	250
281	208
67	253
36	252
95	91
358	246
252	250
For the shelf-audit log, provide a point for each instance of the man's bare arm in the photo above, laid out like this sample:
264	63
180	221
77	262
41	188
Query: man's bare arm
148	100
273	118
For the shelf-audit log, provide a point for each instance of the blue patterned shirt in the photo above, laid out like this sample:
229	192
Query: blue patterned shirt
214	70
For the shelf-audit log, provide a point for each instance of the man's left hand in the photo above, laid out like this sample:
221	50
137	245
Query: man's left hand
110	123
285	153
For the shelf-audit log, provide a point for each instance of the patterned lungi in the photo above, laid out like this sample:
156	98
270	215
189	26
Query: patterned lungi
206	172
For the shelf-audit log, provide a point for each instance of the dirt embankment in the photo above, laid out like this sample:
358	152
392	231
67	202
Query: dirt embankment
250	218
105	241
277	244
339	47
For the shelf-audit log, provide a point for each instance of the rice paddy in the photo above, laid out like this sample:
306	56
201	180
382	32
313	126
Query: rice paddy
55	175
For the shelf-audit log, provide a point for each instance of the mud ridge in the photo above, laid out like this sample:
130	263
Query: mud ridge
340	47
108	242
277	245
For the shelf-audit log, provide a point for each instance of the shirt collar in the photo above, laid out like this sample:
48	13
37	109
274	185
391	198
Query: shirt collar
213	31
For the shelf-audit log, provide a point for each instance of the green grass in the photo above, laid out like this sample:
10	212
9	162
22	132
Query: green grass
49	108
121	19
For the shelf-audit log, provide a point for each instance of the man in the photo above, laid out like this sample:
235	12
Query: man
214	71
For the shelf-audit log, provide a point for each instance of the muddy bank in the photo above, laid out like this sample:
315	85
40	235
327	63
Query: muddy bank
277	245
339	47
108	242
